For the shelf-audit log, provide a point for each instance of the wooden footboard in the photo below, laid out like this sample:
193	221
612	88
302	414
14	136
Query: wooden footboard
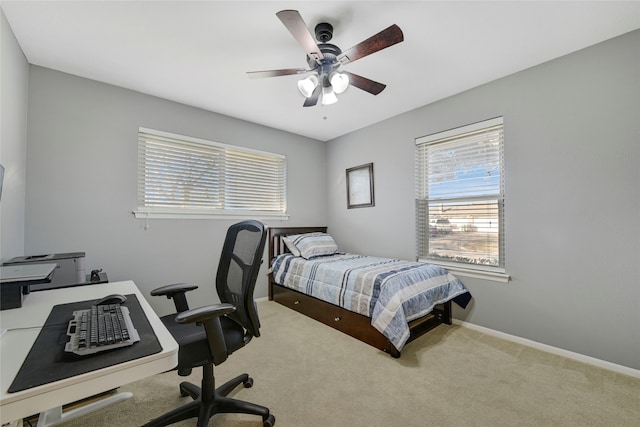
353	324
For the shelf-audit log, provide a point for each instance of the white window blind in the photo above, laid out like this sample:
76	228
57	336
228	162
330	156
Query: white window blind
460	196
182	176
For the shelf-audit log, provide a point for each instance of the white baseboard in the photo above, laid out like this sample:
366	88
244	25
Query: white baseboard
554	350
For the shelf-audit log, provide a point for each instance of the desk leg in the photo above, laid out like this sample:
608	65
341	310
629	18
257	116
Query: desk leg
54	416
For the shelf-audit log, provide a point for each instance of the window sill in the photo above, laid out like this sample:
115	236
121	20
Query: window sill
477	273
199	214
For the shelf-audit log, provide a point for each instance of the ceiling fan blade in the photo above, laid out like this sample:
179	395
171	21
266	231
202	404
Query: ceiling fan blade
313	99
296	26
382	40
364	83
276	73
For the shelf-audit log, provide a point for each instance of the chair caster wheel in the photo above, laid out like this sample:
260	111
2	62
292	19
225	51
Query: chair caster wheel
183	391
269	422
248	383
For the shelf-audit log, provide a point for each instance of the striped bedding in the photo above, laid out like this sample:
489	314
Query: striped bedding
391	292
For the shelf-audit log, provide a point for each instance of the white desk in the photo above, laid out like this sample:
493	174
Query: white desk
15	345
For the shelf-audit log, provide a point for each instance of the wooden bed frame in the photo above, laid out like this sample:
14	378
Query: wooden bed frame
354	324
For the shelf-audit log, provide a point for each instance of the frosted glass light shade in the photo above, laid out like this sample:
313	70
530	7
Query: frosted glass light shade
339	82
328	96
306	86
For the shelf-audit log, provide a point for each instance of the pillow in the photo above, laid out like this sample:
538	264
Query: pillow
311	245
288	240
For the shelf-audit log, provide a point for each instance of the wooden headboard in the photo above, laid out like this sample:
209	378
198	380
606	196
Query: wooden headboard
277	246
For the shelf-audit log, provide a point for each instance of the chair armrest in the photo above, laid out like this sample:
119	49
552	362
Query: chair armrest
176	292
209	316
202	314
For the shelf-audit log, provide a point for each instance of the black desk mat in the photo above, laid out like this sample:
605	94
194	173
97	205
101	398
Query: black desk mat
48	362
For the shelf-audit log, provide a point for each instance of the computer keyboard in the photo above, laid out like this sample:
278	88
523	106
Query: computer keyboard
100	328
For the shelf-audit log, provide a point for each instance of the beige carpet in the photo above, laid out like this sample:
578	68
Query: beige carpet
310	375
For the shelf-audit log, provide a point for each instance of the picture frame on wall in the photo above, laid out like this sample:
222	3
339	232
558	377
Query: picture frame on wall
360	192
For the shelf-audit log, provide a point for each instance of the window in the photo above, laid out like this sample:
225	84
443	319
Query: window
460	199
184	177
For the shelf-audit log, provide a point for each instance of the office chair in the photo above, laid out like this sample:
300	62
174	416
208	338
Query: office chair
207	335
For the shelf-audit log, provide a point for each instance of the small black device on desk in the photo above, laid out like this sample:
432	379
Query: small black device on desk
106	325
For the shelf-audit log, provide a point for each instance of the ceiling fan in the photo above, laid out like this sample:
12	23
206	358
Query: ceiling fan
326	61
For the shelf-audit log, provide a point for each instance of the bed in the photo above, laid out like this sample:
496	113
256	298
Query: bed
383	302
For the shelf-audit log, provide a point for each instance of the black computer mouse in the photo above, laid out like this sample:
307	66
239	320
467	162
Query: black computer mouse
112	299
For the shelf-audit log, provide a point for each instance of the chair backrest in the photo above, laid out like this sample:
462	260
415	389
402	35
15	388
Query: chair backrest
238	270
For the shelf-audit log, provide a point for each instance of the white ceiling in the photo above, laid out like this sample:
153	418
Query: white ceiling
197	53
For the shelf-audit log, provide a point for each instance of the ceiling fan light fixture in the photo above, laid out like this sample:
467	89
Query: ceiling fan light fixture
339	82
325	59
328	96
307	85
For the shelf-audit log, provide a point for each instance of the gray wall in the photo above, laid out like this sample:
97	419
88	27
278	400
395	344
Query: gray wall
81	182
572	153
14	85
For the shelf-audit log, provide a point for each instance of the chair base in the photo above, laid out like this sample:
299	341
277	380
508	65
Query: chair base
209	401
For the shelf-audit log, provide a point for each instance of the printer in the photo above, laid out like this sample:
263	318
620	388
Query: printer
70	269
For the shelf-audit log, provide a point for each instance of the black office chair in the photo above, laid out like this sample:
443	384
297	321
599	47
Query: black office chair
207	335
